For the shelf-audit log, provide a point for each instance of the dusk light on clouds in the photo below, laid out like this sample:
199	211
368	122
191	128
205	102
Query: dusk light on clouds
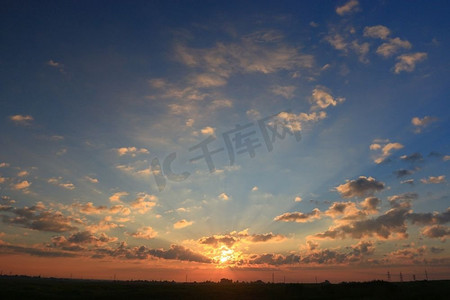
155	139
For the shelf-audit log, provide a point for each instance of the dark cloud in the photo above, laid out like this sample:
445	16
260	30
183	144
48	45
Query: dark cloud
175	252
403	172
436	231
33	251
299	217
391	222
370	204
259	238
415	157
361	187
436	250
36	217
215	240
273	259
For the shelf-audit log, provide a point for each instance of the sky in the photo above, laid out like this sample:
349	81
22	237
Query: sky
197	140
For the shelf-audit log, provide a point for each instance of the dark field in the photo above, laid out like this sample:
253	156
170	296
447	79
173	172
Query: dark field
17	287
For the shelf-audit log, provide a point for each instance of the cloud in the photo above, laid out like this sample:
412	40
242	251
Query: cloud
91	179
446	158
208	131
363	186
436	231
349	7
144	203
402	173
391	223
33	251
273	259
434	179
73	242
393	46
248	56
255	188
89	208
321	99
132	151
422	123
182	223
253	114
415	157
370	204
124	211
116	197
294	122
23	185
224	197
386	149
378	31
407	62
408	181
175	252
21	119
299	217
57	181
297	199
284	91
4	165
208	80
145	233
37	218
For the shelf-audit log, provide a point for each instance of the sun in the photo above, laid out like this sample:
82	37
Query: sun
225	256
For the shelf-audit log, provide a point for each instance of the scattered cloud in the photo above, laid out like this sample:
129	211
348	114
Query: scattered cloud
132	151
299	217
363	186
58	181
378	31
182	223
348	8
284	91
386	149
116	197
393	46
407	62
145	233
22	119
224	197
422	123
297	199
433	179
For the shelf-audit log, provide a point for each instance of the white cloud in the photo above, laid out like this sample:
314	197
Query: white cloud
116	197
386	149
57	181
208	130
394	45
21	119
255	188
378	31
21	185
253	114
131	151
91	179
208	80
349	7
434	179
422	123
407	62
23	173
182	223
298	199
284	91
224	197
321	99
145	233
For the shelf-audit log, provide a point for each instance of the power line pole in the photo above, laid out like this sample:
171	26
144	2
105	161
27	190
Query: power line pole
389	276
401	277
426	274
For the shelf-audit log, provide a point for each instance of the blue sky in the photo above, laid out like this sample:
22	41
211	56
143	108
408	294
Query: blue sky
357	177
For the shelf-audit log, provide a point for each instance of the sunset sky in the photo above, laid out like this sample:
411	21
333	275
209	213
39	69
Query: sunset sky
238	139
